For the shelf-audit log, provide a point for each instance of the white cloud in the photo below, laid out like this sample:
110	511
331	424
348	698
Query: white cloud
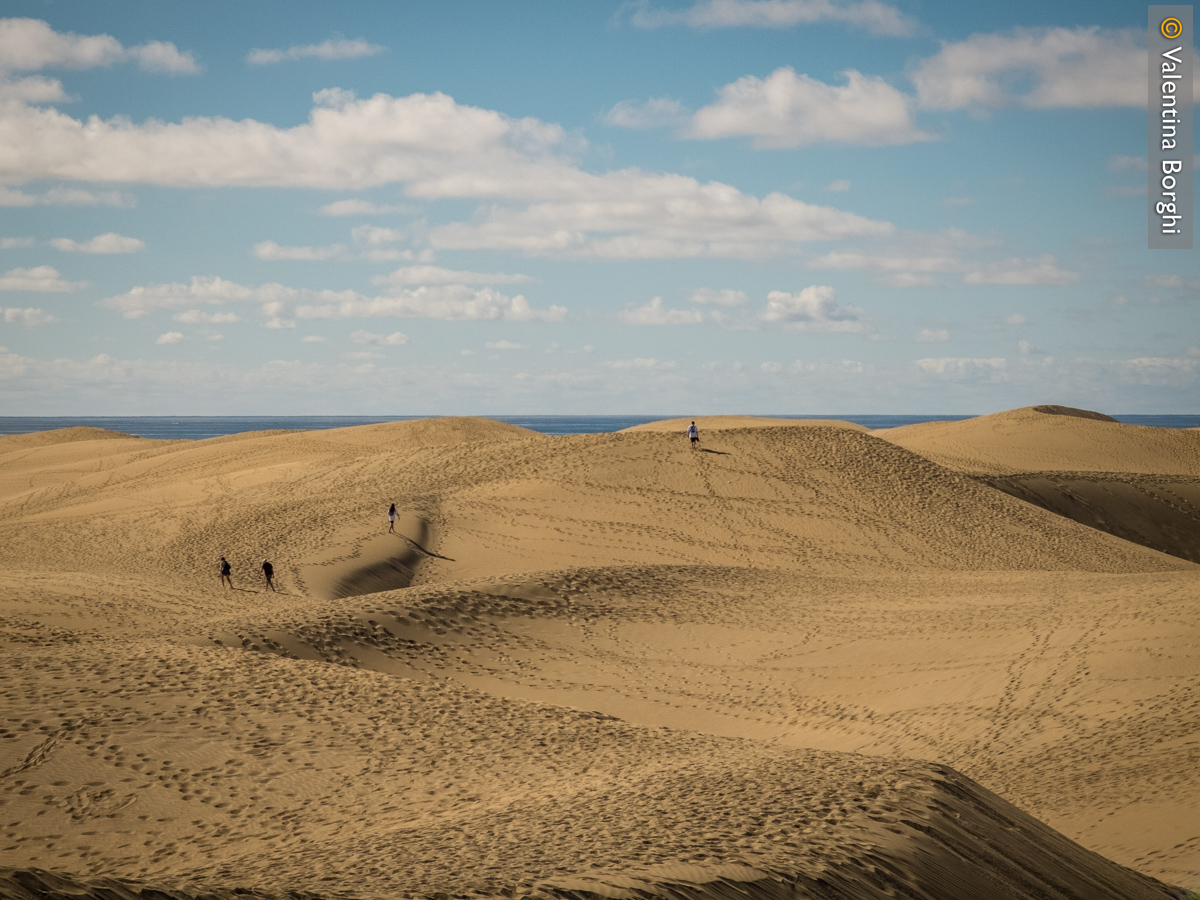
874	16
726	297
196	317
141	300
110	242
163	56
27	316
373	236
63	197
850	260
1015	319
13	243
1158	370
929	335
1042	68
771	368
31	44
453	302
630	215
171	337
504	345
39	278
438	149
642	363
654	313
1127	164
271	251
335	48
841	184
449	302
790	110
355	207
1043	270
395	339
813	309
437	275
657	112
957	368
33	89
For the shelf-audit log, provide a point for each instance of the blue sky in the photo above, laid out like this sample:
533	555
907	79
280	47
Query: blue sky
728	206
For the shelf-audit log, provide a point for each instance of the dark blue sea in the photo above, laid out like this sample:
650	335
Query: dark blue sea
199	427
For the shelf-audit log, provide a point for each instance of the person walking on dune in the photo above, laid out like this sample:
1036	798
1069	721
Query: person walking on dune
693	435
269	574
226	572
392	519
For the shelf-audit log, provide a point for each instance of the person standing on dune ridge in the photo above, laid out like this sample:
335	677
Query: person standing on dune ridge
693	435
226	572
392	519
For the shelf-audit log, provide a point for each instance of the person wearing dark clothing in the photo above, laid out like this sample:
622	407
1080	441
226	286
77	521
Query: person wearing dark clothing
268	571
392	519
226	572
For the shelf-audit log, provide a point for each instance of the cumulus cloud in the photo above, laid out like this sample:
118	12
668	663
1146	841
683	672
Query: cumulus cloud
437	275
32	89
374	236
197	317
334	48
171	337
280	303
771	368
395	339
930	335
654	313
789	110
110	242
873	16
1014	319
1040	68
15	243
39	278
641	363
726	297
657	112
271	251
31	44
1044	270
958	368
450	302
841	184
1159	370
437	149
27	316
813	309
355	207
504	345
63	197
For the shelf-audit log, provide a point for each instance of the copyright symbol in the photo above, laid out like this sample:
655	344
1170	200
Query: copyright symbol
1171	29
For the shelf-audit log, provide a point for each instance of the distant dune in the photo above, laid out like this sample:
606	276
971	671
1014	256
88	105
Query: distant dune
804	660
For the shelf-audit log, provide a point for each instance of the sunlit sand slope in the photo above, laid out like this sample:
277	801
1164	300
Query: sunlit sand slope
1052	438
622	667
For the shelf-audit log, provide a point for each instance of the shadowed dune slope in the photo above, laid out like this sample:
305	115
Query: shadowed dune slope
806	664
1157	511
1050	438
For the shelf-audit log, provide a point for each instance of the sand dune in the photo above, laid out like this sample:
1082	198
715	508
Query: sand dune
810	662
1051	438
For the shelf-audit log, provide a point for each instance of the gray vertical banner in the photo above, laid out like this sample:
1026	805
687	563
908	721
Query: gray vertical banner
1170	134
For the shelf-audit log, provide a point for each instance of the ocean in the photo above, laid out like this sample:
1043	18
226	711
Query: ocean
197	428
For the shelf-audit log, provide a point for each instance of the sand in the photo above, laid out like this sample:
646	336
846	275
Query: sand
804	660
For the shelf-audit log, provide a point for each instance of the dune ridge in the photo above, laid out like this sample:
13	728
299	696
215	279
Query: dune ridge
810	663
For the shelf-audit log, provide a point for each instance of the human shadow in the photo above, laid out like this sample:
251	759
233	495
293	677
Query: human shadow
717	452
422	549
